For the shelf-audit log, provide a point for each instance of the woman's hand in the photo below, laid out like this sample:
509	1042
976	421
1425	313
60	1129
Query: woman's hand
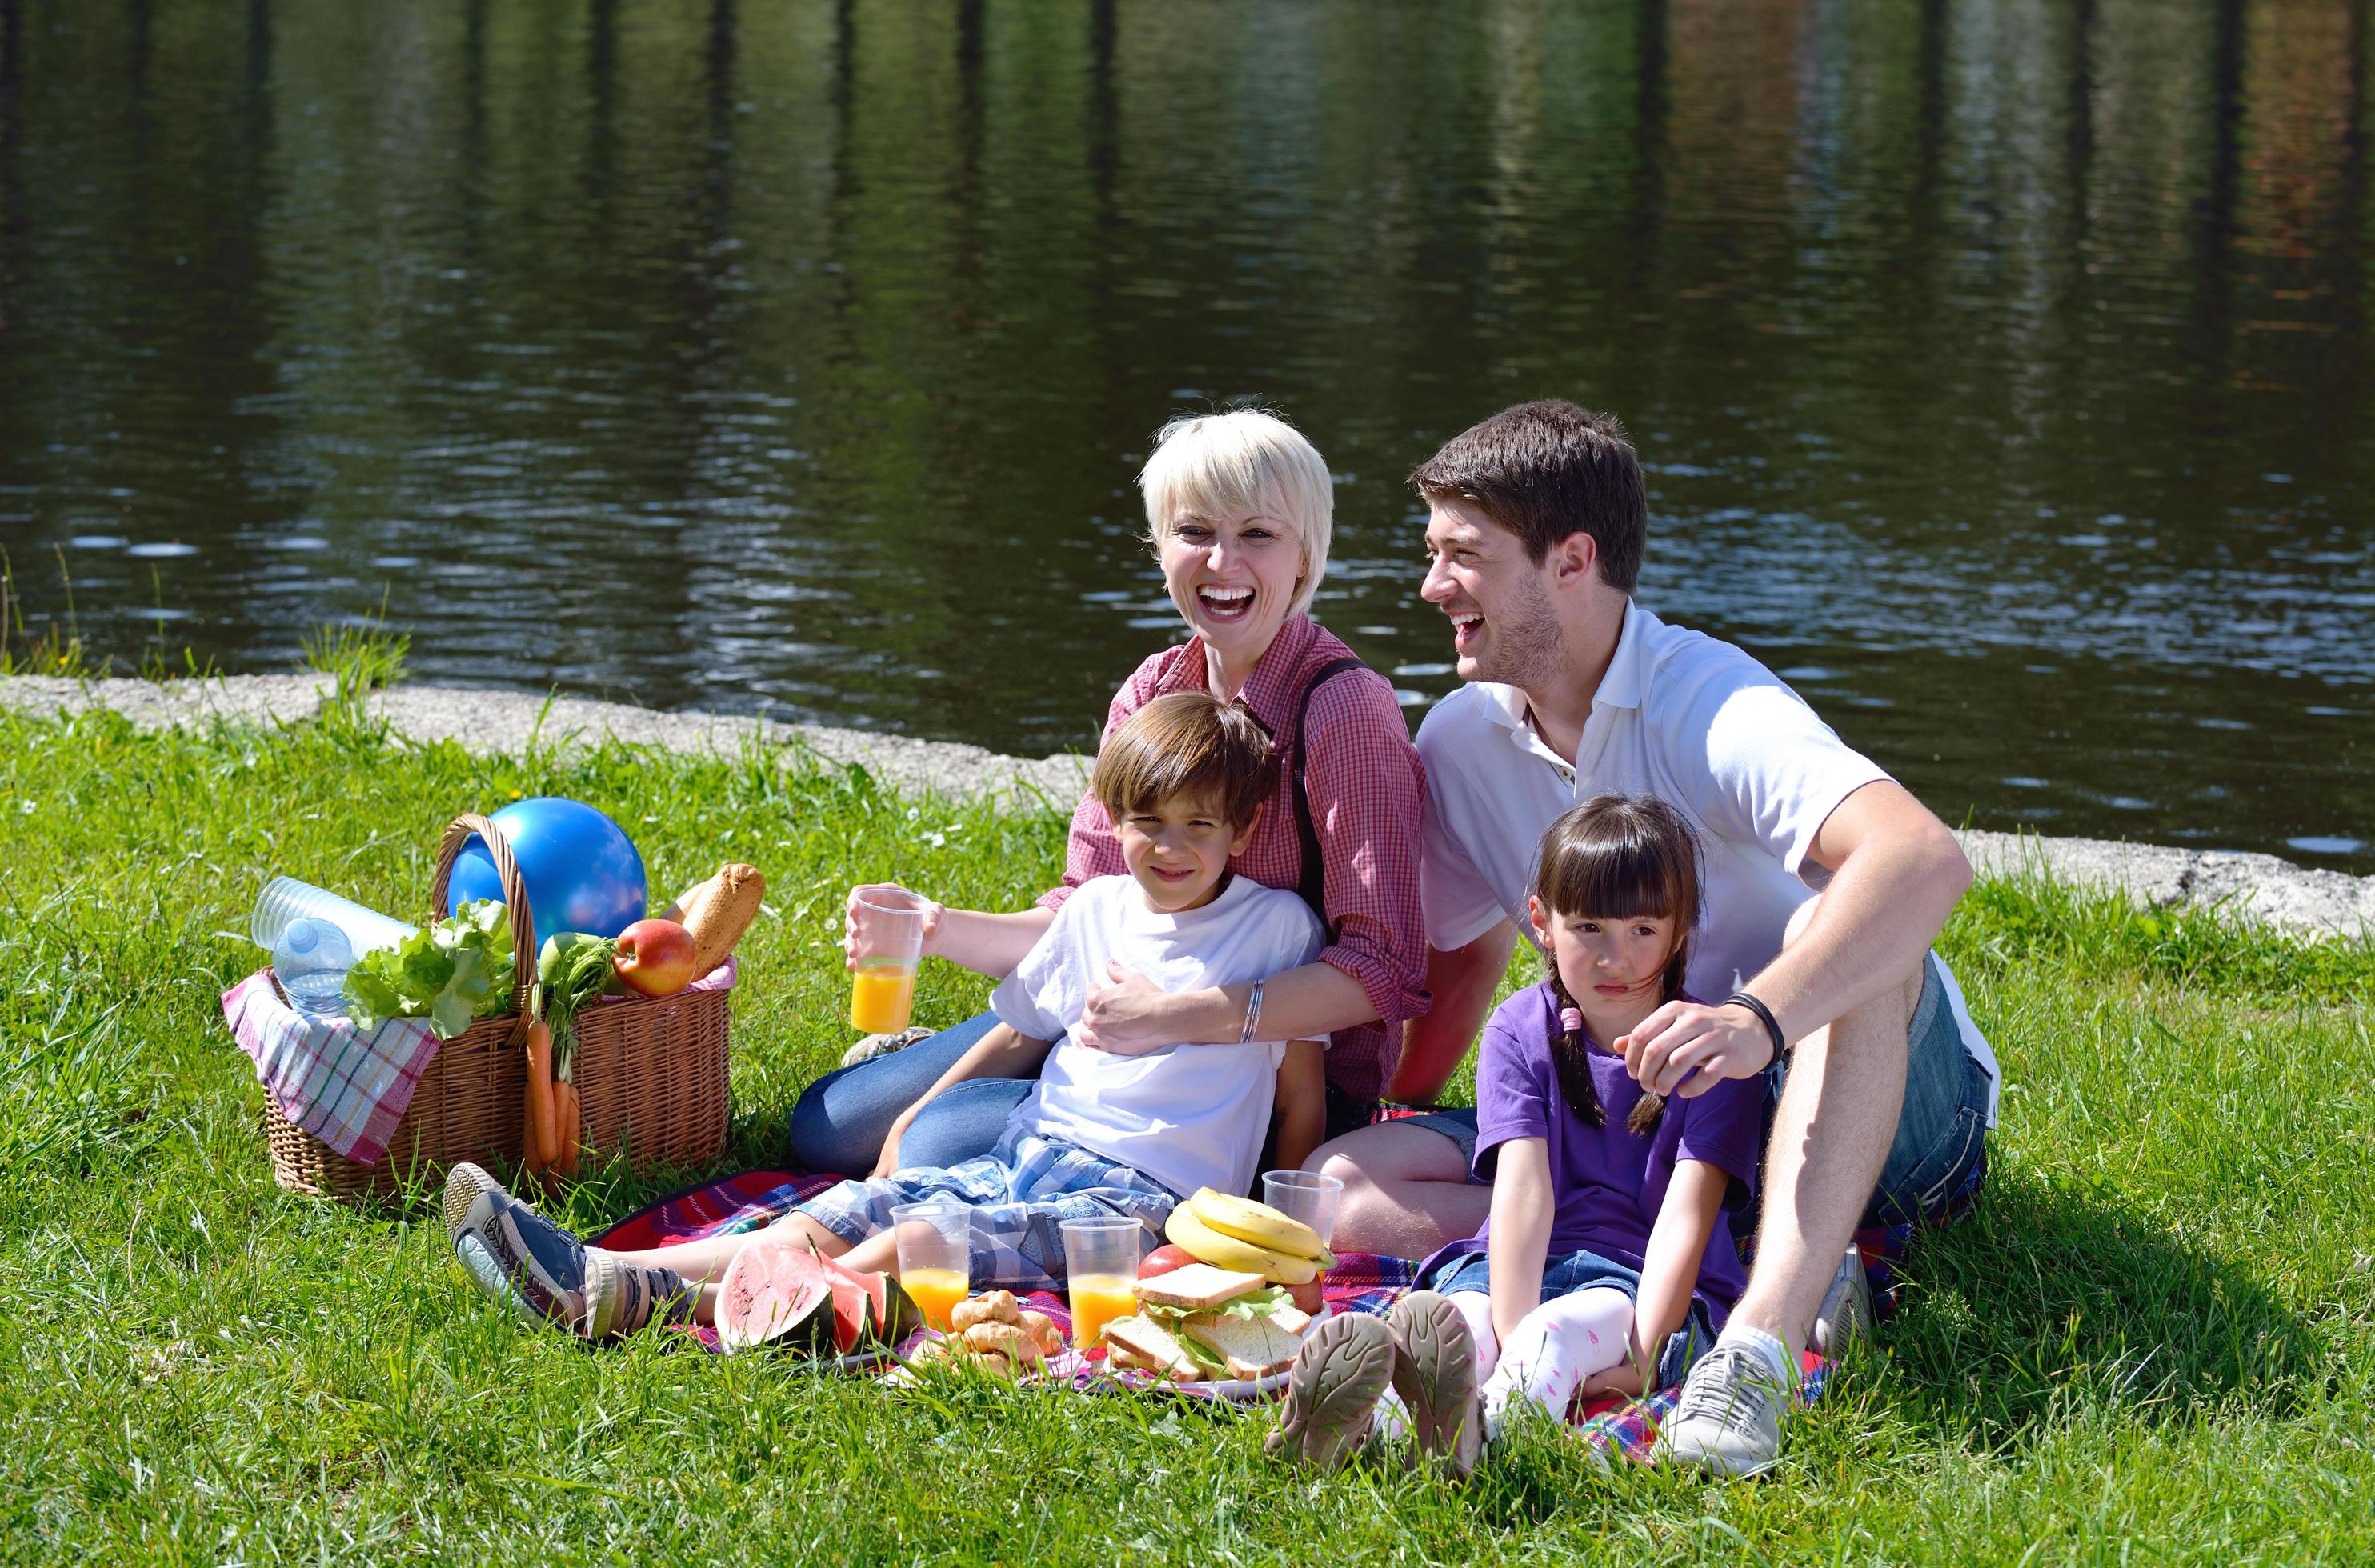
1129	1015
860	940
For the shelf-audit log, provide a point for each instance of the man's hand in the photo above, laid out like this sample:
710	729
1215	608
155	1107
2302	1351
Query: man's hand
1129	1017
1680	1037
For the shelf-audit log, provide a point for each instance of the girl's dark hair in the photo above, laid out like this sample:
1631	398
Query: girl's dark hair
1618	857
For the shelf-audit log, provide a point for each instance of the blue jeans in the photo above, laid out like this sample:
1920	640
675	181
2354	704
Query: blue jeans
1584	1271
843	1118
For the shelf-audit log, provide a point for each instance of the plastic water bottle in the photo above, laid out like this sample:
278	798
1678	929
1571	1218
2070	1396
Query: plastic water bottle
312	959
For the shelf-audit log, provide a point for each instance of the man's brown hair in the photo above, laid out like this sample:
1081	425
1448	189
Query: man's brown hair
1187	743
1543	471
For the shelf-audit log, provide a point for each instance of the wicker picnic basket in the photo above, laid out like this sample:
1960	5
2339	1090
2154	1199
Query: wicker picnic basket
651	1070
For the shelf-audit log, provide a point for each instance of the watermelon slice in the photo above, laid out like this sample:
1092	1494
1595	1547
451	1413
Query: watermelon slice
883	1310
775	1294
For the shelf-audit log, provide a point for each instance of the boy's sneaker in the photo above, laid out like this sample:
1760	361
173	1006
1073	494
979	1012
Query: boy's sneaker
1728	1420
1845	1319
1332	1391
1434	1373
541	1272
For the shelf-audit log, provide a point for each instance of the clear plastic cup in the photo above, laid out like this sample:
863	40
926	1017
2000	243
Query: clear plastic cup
882	989
935	1242
285	900
1101	1267
1304	1196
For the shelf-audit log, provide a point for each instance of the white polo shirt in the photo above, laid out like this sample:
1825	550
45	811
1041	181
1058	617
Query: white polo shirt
1679	715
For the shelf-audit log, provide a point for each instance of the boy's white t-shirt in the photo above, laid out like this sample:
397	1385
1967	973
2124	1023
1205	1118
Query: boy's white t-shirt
1680	715
1187	1115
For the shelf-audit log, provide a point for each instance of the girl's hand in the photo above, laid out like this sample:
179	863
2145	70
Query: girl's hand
1129	1017
1623	1378
859	942
1667	1047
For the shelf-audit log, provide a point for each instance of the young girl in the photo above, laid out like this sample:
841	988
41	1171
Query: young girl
1607	1263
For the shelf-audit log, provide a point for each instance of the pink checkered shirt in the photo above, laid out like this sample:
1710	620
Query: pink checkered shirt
1366	788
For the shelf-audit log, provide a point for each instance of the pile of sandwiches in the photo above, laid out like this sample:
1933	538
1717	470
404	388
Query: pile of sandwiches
1202	1324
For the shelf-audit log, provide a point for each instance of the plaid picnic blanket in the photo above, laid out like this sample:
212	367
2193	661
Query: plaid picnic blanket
1360	1282
349	1090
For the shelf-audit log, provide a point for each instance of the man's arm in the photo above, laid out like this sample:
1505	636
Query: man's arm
1463	981
1897	873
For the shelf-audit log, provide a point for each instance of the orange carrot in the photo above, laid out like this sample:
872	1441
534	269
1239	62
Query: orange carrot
572	1126
543	1130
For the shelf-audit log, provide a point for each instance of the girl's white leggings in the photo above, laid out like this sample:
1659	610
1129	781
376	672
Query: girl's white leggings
1556	1346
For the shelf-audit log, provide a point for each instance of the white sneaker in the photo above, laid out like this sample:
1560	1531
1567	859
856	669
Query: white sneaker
1728	1420
1845	1316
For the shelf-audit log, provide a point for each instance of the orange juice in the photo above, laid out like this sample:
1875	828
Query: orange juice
881	998
936	1291
1097	1300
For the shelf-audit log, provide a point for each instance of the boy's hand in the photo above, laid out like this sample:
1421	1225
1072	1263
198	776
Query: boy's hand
889	1162
857	943
1129	1017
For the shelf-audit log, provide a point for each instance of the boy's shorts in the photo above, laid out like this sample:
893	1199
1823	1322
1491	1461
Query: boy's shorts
1021	1192
1940	1144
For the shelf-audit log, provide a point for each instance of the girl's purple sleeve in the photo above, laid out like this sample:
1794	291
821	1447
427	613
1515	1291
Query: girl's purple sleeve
1512	1084
1723	1127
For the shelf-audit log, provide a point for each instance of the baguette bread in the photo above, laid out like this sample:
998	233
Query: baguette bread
1197	1288
1254	1347
718	912
1143	1343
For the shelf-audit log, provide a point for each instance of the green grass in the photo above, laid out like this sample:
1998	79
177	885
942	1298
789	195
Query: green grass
2154	1342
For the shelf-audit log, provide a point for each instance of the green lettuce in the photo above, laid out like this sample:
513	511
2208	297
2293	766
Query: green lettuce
456	970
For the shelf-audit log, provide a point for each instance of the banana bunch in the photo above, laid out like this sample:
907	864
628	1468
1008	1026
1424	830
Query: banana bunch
1253	1238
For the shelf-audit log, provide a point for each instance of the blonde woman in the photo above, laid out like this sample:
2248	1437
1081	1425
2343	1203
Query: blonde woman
1238	508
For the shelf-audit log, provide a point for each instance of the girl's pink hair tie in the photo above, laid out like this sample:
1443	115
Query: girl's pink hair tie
1571	1019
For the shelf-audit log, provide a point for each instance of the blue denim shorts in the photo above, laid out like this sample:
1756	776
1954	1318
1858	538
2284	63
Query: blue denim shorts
1583	1270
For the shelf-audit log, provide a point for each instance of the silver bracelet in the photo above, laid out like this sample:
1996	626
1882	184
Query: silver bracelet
1253	1015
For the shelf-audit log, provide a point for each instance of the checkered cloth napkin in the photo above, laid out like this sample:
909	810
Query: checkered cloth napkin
347	1089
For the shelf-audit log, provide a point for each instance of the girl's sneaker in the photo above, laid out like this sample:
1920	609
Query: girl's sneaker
541	1272
1332	1391
1434	1374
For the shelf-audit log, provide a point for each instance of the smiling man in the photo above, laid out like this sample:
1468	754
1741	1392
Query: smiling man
1826	883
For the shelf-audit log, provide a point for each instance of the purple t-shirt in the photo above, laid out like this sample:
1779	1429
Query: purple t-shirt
1609	1182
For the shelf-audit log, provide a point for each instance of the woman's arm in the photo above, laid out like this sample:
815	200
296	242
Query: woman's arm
1302	1102
1670	1271
1001	1053
1523	1206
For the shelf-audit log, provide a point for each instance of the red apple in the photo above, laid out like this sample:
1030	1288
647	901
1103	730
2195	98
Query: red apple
654	957
1163	1259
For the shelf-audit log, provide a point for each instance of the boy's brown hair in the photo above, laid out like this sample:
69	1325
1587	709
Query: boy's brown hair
1187	743
1543	471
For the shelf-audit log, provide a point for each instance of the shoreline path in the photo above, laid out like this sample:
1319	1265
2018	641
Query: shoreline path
2281	894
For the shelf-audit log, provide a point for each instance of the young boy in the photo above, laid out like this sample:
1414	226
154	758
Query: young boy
1100	1134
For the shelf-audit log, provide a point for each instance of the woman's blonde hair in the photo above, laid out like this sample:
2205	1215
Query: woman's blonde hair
1243	461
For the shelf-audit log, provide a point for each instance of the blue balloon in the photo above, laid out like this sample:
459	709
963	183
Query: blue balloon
582	873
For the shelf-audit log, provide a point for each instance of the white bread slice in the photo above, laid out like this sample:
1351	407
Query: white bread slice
1197	1287
1144	1343
1292	1318
1254	1347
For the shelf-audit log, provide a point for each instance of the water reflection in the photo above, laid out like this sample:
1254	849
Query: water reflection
2001	364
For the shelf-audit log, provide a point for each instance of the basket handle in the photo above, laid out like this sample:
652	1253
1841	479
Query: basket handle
459	834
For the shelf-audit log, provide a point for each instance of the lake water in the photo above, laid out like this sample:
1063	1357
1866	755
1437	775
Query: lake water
2003	367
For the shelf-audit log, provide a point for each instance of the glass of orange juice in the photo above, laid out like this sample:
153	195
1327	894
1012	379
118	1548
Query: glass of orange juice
935	1242
890	924
1101	1263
